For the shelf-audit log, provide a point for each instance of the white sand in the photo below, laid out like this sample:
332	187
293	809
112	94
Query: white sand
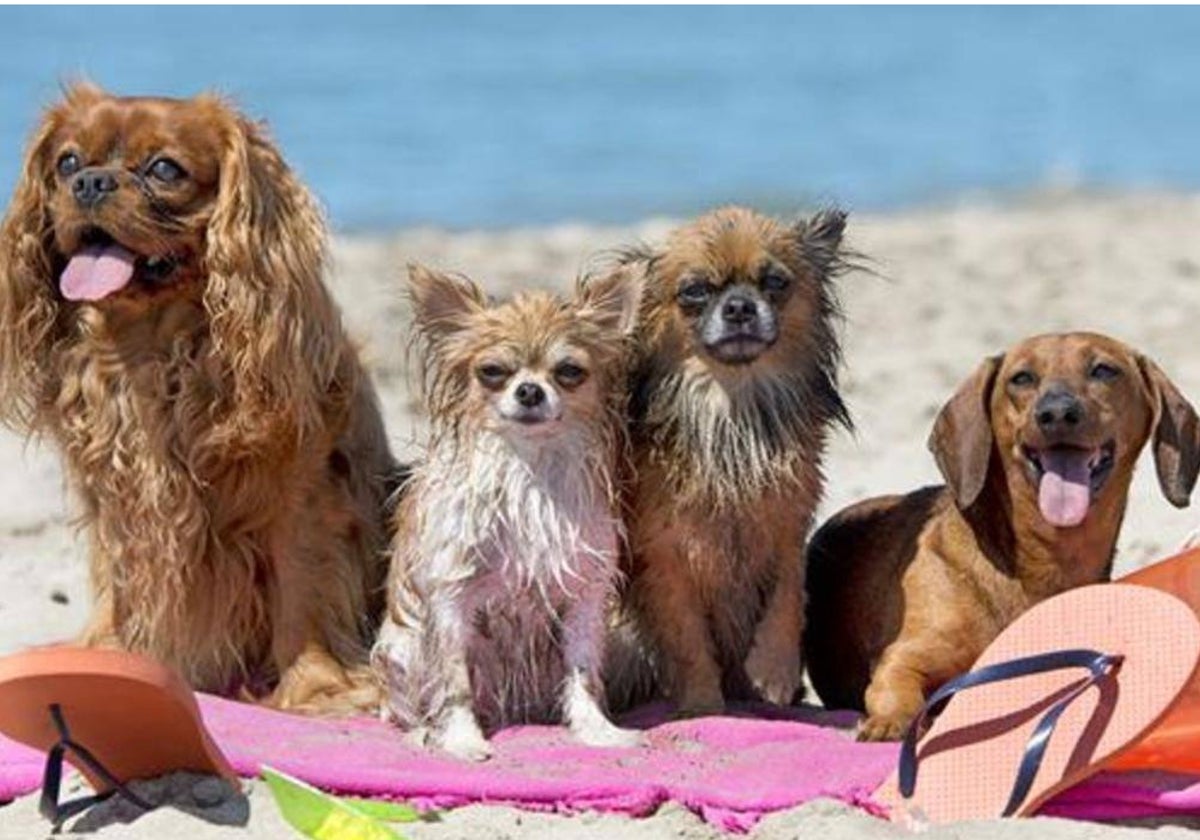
953	285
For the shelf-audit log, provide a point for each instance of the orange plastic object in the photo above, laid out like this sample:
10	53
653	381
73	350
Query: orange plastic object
1175	743
968	759
138	718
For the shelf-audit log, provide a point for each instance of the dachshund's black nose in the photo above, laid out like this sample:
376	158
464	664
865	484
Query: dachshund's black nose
530	394
738	309
91	186
1058	410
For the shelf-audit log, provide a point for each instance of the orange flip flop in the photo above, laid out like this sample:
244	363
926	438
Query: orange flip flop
1065	688
115	716
1174	744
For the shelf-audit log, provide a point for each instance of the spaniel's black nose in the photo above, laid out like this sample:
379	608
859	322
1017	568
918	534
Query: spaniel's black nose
91	186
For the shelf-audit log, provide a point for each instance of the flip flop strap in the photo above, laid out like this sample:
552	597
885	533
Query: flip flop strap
49	806
1098	664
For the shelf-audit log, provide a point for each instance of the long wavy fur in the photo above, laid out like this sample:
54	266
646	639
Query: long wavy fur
233	471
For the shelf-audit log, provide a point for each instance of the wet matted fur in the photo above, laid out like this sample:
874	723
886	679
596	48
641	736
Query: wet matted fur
506	552
734	391
213	417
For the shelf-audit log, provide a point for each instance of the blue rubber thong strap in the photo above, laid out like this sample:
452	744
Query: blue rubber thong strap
1099	664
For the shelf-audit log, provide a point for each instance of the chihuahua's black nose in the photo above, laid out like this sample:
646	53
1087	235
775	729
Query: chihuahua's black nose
1058	410
90	186
738	309
530	394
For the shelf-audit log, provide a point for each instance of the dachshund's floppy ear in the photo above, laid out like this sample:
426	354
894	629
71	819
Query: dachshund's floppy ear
28	300
961	440
1176	435
273	323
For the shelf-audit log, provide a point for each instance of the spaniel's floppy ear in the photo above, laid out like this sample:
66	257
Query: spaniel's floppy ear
1176	435
961	440
273	322
611	300
28	302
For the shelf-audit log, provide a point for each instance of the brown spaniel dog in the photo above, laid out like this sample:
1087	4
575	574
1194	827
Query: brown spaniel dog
163	321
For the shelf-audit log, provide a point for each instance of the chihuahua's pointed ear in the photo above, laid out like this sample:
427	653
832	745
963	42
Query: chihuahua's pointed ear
1176	435
442	302
820	237
612	300
961	440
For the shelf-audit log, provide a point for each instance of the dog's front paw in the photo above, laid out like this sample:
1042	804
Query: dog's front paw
462	737
774	673
882	728
602	733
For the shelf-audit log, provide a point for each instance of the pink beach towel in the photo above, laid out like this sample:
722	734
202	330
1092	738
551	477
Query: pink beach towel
1128	795
730	770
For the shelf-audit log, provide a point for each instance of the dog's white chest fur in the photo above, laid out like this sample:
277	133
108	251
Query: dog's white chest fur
509	543
510	522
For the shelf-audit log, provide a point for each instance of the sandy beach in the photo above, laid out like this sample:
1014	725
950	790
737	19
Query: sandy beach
946	287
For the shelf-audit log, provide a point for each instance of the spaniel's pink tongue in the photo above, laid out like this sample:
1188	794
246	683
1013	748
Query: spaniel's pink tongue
96	272
1065	491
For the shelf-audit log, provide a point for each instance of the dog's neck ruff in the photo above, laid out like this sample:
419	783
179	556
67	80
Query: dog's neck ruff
721	445
533	512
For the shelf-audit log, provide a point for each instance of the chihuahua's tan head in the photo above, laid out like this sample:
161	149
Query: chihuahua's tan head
737	294
737	350
534	367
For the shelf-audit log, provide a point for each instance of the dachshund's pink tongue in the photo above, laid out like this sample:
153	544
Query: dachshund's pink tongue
1065	490
96	272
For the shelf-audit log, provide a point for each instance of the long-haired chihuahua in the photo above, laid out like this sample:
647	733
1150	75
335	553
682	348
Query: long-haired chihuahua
506	554
734	390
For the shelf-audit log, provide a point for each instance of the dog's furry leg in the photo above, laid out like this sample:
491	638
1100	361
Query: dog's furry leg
583	651
680	632
457	730
773	664
895	695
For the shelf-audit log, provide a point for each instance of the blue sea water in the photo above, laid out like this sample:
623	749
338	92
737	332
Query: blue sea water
511	116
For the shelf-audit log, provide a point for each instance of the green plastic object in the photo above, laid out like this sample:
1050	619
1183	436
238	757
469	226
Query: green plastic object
321	816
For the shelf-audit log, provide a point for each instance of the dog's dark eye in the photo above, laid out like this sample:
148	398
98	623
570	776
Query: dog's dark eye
1103	372
492	375
570	374
166	170
1022	379
696	293
775	282
68	164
